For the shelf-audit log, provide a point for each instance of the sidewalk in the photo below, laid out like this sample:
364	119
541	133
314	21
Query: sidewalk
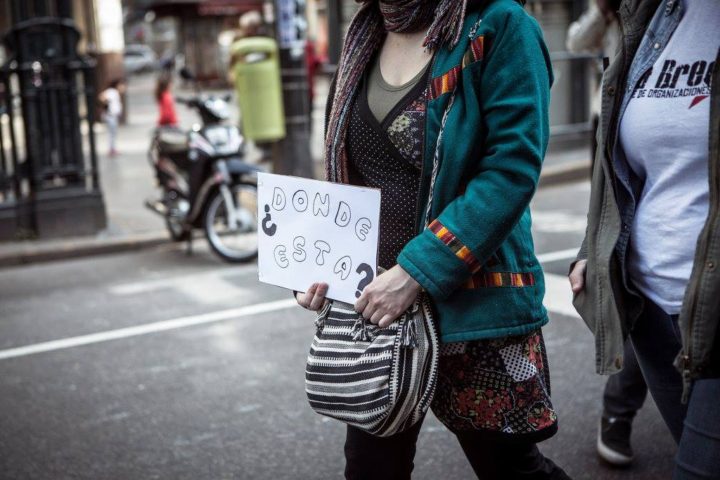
127	180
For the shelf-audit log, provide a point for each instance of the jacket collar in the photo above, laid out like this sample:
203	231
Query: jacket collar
636	14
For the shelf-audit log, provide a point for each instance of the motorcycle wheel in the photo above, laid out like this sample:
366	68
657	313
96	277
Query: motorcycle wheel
237	244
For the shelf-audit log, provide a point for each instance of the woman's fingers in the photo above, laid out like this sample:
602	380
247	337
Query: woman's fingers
577	276
318	299
376	317
304	299
314	298
362	302
386	321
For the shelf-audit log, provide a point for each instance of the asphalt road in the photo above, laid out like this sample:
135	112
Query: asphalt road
159	365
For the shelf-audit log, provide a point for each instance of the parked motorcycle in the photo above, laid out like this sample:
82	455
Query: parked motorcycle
205	181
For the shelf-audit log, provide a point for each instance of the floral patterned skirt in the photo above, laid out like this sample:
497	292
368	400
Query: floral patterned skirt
496	385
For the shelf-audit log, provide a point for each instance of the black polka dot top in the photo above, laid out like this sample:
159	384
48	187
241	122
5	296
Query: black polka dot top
388	155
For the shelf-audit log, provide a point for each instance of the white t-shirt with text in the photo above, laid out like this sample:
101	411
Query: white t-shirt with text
664	135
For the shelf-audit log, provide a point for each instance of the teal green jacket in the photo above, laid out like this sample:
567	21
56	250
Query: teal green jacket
476	260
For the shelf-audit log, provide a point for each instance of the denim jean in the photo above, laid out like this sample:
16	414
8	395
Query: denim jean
696	426
698	455
656	341
625	391
391	458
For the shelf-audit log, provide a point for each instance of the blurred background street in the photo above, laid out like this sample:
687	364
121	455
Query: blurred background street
125	356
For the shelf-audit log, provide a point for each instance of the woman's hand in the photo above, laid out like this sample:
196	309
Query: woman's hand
314	299
387	296
577	276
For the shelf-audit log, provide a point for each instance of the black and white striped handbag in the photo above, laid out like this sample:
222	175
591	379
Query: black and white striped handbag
380	380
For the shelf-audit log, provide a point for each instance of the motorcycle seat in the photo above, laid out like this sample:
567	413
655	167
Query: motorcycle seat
172	141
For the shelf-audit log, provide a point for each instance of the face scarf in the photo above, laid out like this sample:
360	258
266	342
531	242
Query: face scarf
443	20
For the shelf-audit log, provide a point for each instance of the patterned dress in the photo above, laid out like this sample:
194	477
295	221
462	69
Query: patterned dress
500	386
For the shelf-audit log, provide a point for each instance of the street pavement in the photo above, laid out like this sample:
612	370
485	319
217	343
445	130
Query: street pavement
159	365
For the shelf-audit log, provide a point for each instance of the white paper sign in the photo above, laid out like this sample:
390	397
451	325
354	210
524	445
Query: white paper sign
311	231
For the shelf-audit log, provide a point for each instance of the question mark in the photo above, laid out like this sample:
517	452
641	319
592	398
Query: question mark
368	276
267	228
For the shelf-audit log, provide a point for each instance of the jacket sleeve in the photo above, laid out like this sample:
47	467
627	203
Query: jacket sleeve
511	89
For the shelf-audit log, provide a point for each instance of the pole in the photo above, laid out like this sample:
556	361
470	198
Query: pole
293	154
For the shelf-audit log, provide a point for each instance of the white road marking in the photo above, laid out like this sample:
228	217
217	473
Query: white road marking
558	295
213	290
558	299
162	326
558	221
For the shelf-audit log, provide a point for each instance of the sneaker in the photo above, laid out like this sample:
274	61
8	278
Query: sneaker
613	442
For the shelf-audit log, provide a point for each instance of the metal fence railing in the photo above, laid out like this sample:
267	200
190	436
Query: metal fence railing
47	111
576	77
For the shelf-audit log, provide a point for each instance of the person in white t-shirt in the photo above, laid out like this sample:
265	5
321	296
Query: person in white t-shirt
654	204
111	100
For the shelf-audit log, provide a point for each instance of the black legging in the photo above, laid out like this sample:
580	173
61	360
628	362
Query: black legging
391	458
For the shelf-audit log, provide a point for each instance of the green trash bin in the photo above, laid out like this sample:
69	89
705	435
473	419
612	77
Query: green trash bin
257	82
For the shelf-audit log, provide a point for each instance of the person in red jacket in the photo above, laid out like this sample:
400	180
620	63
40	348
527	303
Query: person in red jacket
166	102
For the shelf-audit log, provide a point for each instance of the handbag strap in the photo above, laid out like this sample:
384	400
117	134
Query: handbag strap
436	157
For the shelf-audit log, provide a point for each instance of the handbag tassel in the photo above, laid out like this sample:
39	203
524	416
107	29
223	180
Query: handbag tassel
322	316
408	337
360	330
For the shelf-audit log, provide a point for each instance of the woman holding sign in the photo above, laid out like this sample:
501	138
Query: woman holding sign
443	106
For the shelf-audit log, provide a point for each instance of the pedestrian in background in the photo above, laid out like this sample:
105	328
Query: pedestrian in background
597	31
166	103
476	77
312	64
648	265
111	101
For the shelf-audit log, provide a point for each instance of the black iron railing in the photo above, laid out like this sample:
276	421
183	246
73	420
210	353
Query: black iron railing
47	112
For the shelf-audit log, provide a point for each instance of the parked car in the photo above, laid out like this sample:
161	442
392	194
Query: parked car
139	58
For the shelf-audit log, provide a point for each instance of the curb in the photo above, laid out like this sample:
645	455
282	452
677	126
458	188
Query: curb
23	253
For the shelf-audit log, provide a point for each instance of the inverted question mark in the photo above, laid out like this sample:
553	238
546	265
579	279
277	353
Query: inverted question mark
266	223
368	275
